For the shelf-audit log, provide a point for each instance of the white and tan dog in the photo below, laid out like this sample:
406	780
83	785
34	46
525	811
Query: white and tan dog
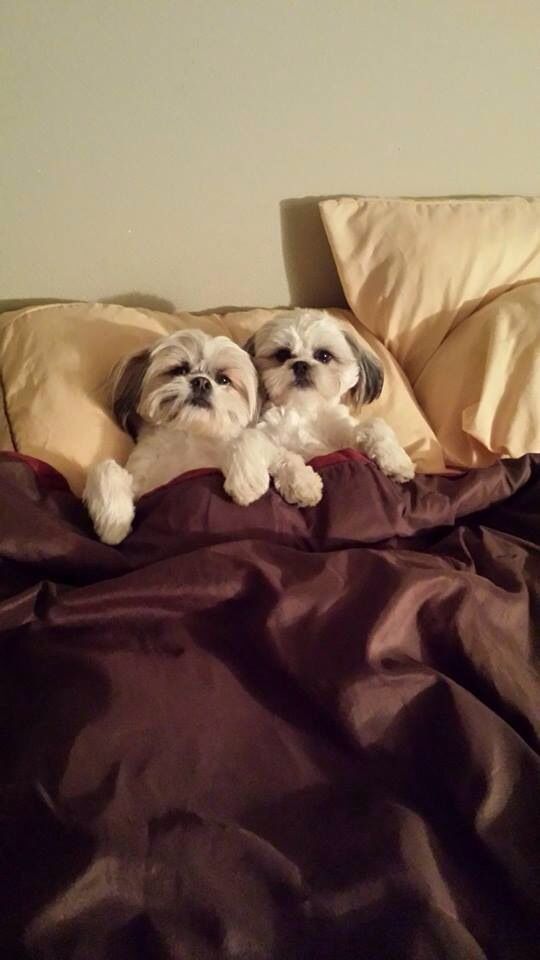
313	370
184	401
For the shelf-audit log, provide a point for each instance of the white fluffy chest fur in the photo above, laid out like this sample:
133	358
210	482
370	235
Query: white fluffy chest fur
310	430
164	453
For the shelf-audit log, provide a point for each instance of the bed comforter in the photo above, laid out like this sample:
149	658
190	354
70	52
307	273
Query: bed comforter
272	733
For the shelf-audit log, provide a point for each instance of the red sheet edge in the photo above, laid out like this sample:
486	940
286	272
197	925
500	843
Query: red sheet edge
52	479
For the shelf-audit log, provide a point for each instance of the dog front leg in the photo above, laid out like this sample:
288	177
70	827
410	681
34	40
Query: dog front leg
247	466
294	479
254	458
109	499
378	441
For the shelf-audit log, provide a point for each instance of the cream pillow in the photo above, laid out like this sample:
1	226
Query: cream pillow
54	363
481	390
413	269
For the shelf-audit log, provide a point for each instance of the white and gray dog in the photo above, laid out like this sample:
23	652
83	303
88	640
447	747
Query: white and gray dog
313	370
184	400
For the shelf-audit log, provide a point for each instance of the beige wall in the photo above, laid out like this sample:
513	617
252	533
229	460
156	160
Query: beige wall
150	147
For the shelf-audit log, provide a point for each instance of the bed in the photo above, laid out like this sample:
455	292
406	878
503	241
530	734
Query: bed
271	733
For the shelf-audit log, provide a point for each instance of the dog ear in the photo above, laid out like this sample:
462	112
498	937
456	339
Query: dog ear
249	346
262	396
250	391
370	373
127	382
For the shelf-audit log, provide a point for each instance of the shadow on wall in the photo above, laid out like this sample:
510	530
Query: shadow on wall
144	301
311	272
136	300
312	277
8	305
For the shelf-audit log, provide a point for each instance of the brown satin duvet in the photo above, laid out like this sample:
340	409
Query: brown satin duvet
272	733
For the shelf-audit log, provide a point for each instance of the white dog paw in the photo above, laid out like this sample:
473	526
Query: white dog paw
300	485
377	439
405	471
395	464
113	527
248	484
108	496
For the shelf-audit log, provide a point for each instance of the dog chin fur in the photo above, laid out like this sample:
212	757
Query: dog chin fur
314	372
184	401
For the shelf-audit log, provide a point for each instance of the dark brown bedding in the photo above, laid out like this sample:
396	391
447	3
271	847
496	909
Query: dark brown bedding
272	733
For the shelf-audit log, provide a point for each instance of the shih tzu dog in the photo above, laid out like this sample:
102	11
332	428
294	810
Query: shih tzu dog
184	400
313	370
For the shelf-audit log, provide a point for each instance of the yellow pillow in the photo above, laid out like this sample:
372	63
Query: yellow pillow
413	269
55	360
481	390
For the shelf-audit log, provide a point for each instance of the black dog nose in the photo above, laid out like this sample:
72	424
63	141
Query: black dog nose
300	368
200	385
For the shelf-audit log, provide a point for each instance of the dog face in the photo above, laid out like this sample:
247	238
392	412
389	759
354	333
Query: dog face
204	384
305	354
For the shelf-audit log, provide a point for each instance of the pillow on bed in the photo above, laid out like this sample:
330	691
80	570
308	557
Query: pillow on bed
481	390
412	270
55	360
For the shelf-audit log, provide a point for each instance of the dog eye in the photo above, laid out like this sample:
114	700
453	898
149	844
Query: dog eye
223	379
180	370
323	356
282	355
